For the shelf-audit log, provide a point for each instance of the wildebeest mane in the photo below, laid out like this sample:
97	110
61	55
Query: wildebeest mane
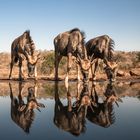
111	49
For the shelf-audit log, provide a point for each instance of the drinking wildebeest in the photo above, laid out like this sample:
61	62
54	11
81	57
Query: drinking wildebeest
101	47
23	113
111	71
22	48
71	43
103	113
69	118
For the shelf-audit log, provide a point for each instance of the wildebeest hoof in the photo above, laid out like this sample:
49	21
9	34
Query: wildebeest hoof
21	78
94	78
36	78
10	78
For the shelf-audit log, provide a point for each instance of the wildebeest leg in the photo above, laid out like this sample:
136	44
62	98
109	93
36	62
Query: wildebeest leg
58	57
20	86
106	62
35	73
95	68
11	93
21	76
69	61
78	91
78	73
69	100
11	68
58	104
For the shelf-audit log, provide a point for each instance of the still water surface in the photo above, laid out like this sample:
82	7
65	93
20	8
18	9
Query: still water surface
114	120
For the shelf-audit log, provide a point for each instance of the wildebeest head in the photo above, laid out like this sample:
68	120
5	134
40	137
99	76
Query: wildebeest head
111	71
85	65
31	63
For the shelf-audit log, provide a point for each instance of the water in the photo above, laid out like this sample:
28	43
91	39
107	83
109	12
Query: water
51	123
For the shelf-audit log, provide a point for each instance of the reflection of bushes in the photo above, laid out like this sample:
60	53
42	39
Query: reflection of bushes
138	95
50	89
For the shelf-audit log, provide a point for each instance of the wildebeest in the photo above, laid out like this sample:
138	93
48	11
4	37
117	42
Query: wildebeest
101	47
111	71
103	112
71	43
22	48
69	118
23	113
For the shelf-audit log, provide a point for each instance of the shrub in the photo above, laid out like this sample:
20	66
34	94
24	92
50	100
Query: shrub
48	63
138	56
47	66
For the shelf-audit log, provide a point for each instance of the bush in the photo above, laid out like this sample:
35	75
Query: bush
138	56
48	63
47	66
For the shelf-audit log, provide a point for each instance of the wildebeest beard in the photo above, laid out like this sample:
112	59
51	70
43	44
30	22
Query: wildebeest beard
31	69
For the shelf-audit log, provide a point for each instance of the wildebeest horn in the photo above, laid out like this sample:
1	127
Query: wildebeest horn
79	108
91	108
91	58
85	53
79	57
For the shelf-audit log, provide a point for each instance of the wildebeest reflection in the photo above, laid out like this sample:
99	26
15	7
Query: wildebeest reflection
23	113
69	118
103	113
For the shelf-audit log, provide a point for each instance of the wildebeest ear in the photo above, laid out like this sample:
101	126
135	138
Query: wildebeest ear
41	105
120	100
21	108
91	58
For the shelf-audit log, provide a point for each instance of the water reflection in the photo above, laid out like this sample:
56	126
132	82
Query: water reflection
102	113
23	113
81	111
97	109
68	117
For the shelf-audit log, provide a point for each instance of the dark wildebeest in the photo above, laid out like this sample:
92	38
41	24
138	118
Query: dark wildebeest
22	48
23	114
71	43
103	113
102	47
69	118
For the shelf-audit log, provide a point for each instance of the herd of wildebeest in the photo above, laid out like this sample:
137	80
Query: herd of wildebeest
72	116
70	44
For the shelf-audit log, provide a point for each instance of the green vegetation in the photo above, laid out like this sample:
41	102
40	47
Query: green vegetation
47	66
48	63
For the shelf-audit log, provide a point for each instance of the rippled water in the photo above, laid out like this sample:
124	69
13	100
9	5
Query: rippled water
117	118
